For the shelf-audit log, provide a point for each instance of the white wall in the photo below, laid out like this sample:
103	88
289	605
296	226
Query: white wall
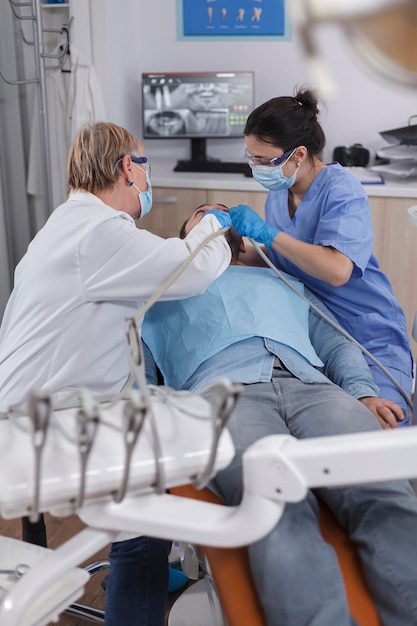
134	36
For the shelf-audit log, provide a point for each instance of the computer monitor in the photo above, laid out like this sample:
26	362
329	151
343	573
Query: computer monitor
197	106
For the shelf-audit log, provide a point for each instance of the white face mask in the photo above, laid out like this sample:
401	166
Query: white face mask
145	197
273	178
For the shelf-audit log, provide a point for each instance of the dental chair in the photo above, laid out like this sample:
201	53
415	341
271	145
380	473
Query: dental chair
236	591
230	572
116	490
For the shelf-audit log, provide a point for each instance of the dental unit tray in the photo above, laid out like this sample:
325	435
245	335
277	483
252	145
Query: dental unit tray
276	469
86	452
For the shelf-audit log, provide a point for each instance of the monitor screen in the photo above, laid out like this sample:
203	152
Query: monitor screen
196	105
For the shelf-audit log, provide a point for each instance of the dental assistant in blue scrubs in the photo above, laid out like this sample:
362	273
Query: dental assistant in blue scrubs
318	227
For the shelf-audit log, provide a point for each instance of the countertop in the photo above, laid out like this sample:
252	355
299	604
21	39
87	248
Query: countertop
164	176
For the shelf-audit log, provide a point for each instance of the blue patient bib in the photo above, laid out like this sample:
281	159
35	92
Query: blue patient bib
243	302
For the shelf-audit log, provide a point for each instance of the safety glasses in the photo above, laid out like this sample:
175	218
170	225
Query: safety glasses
142	160
255	161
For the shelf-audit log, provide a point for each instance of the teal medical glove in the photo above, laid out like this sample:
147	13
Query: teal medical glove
248	224
222	217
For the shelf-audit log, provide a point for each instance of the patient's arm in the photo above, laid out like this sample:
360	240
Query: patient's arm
387	412
343	361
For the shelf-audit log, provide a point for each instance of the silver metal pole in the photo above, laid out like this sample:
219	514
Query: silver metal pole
43	113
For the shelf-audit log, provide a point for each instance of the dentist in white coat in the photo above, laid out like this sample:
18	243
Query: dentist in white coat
86	270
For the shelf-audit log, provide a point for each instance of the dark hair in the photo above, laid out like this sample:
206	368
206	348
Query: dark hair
182	233
288	122
183	229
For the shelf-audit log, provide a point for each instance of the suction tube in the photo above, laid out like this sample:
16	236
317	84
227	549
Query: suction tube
370	356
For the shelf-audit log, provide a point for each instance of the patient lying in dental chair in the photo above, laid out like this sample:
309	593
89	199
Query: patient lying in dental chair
300	377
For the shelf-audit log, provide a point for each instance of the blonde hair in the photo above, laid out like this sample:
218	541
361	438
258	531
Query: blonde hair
95	151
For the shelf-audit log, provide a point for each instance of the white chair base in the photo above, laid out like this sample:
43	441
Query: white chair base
194	607
55	598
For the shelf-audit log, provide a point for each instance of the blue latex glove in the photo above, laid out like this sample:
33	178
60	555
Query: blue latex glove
248	224
222	217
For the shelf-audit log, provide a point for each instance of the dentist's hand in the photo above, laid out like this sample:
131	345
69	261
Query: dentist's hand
222	217
248	224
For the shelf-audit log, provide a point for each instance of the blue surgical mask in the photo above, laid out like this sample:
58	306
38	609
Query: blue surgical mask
273	178
145	197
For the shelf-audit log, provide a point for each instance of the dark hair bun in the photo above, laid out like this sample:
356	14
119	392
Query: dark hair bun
308	99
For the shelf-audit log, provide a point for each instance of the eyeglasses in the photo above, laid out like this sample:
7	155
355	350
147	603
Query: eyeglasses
142	160
255	161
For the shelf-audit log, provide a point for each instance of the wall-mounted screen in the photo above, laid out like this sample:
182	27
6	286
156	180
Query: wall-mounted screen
196	106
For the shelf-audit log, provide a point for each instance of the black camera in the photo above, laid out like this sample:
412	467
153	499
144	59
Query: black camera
355	155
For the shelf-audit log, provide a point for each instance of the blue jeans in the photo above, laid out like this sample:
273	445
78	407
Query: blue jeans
296	573
137	588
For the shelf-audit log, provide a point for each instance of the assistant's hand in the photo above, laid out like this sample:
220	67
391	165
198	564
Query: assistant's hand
387	412
222	217
248	224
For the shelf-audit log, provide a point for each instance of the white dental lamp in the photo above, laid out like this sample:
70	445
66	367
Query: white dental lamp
382	32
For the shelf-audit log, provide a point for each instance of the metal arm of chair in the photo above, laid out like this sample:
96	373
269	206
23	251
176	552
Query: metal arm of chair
276	469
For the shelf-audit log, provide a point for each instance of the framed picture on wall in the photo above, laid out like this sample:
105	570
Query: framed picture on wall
232	19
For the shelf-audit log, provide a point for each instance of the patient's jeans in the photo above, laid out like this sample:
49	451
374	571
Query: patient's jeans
137	588
295	571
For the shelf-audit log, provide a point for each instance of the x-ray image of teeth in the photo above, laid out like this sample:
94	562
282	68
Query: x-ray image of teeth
195	108
203	96
186	122
240	15
210	14
158	93
191	105
165	123
223	13
194	96
158	97
162	97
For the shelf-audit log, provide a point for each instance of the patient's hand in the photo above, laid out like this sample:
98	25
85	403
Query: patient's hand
387	412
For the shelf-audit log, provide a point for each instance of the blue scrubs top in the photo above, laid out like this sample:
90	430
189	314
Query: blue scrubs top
335	212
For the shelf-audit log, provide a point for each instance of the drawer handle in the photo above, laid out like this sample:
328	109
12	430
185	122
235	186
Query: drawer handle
165	199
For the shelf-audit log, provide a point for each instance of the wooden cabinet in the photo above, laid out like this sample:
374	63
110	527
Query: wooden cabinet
170	208
255	199
396	249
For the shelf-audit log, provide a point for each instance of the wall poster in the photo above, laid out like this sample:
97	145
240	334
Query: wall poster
230	19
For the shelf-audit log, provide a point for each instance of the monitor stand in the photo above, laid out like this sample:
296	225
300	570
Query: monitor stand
199	162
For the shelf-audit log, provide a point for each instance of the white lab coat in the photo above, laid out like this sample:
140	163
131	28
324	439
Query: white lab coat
73	98
87	270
